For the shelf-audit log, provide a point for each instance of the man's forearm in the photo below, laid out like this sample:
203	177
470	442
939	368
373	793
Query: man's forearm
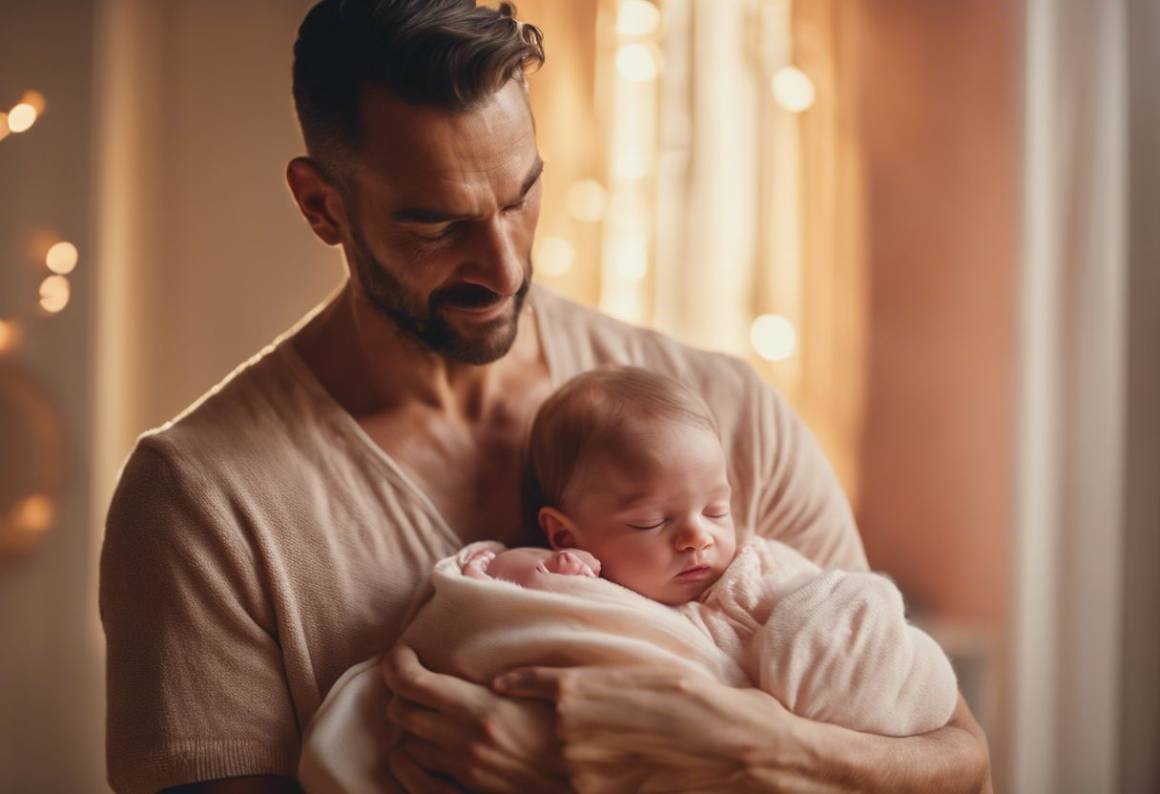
828	758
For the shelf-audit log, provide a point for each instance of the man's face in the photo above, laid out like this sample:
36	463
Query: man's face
655	511
443	209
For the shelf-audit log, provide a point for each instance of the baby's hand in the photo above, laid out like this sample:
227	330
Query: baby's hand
477	563
571	562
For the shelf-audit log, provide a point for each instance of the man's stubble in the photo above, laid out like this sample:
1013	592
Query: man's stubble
427	323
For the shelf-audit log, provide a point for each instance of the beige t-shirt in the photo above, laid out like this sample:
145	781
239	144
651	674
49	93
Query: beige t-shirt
261	544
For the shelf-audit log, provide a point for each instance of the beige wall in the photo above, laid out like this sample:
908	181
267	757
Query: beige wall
207	258
49	670
940	117
941	136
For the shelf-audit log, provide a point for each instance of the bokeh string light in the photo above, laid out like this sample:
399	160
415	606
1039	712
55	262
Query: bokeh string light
637	18
554	256
793	89
62	258
21	117
773	337
10	336
638	63
586	201
55	292
23	114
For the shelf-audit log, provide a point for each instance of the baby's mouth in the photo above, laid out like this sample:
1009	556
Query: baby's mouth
695	572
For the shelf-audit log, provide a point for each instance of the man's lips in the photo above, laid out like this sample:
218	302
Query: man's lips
486	311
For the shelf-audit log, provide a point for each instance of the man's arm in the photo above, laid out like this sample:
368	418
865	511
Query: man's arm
196	685
952	759
253	784
680	724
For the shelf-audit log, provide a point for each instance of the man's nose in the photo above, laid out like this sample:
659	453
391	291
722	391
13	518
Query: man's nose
497	260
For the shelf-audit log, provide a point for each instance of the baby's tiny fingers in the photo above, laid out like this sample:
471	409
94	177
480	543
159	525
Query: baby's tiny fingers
477	564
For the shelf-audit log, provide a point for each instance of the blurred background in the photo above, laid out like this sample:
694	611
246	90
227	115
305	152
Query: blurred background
931	224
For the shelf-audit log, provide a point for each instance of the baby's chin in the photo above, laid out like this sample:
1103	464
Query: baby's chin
677	593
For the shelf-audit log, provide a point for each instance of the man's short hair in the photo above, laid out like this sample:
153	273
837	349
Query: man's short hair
441	53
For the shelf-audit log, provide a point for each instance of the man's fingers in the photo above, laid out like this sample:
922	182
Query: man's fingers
471	770
408	678
422	722
541	683
413	778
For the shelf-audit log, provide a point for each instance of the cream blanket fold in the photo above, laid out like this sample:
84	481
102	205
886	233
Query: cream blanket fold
479	628
832	646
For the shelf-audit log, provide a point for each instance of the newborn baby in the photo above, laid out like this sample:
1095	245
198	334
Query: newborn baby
627	480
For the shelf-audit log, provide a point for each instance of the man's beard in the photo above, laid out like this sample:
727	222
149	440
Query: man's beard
428	324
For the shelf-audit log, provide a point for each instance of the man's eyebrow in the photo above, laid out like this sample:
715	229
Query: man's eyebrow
533	175
428	215
424	215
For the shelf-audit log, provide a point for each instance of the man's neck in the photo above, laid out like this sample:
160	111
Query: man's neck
371	367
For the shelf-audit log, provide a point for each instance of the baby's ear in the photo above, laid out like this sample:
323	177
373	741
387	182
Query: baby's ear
556	528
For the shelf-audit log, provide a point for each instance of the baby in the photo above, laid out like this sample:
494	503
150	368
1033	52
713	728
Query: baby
627	480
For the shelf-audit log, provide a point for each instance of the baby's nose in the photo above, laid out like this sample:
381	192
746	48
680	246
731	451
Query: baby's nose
694	537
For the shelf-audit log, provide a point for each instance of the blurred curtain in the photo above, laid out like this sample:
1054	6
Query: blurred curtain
685	193
1070	483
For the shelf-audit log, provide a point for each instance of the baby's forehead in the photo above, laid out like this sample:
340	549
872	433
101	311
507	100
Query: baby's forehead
642	434
649	450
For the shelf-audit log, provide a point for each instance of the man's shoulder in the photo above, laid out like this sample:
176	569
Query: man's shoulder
249	416
588	338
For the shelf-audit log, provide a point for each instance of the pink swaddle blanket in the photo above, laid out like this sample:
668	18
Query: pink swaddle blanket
832	646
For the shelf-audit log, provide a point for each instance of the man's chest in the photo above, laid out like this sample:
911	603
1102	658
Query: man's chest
471	473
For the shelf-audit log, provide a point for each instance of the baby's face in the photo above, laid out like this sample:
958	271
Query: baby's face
656	514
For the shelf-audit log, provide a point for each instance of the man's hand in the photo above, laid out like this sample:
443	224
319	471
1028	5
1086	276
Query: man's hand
455	730
671	728
632	728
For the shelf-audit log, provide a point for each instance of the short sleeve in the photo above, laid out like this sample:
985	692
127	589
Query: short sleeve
196	687
797	497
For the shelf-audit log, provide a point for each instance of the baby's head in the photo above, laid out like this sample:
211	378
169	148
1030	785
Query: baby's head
626	464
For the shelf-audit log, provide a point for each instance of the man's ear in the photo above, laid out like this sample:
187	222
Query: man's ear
319	201
557	528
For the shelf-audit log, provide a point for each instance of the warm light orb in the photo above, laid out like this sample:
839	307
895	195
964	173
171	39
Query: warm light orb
21	117
34	514
55	292
554	256
35	99
637	18
637	62
793	89
630	257
10	335
62	258
773	337
586	200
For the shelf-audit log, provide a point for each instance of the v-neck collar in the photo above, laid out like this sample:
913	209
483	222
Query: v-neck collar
347	421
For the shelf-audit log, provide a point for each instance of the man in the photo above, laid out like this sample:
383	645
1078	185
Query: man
279	531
